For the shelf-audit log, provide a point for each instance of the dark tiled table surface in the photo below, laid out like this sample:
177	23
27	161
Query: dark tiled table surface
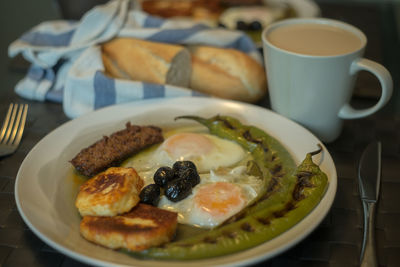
336	242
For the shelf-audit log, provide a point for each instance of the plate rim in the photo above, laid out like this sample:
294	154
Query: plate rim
303	8
90	260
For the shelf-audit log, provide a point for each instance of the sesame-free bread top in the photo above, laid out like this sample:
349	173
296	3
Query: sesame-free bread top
227	73
221	72
153	62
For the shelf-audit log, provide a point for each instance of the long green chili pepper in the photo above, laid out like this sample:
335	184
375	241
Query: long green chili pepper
296	193
254	229
273	159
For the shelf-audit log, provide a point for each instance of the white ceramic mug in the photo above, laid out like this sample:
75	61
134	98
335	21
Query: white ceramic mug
315	90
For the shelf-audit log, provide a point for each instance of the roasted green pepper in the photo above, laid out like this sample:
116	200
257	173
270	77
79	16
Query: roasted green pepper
271	157
291	193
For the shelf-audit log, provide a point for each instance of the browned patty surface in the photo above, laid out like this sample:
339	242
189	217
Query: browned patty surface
112	150
109	193
143	227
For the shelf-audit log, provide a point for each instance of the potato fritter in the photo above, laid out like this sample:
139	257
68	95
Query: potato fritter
109	193
143	227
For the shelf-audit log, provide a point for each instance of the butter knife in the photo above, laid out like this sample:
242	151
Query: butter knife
369	179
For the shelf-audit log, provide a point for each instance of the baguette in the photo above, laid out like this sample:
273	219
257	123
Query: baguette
227	73
221	72
152	62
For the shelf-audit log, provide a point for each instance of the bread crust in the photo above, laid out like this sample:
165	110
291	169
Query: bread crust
146	61
111	68
221	72
227	73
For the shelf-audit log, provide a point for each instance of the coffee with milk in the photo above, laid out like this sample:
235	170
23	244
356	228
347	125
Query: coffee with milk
312	66
315	39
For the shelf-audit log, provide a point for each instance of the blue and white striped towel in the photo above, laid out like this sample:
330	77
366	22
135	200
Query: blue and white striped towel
66	60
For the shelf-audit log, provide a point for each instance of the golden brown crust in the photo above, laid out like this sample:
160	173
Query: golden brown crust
145	61
143	227
112	69
222	72
227	73
195	9
109	193
216	79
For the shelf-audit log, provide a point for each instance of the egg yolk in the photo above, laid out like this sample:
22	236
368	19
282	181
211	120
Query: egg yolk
183	145
219	199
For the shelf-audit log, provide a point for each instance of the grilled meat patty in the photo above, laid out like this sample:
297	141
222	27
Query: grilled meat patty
112	150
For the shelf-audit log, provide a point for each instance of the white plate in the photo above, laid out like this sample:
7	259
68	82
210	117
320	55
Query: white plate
303	9
45	192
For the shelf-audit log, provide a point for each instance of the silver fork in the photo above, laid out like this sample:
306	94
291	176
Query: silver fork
12	129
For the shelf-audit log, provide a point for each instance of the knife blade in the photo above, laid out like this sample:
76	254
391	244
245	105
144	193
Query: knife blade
369	180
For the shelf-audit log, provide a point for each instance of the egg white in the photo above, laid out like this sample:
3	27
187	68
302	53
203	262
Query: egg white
221	153
226	162
189	213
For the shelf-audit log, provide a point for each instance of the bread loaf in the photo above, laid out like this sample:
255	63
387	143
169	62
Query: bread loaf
227	73
221	72
134	59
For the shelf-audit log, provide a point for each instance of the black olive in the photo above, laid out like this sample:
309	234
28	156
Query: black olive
150	194
241	25
255	26
221	25
178	189
191	176
163	175
180	166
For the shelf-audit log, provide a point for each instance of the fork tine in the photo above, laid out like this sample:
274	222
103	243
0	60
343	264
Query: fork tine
5	122
16	125
11	124
22	125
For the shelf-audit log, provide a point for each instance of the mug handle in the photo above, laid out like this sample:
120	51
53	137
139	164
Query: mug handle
385	79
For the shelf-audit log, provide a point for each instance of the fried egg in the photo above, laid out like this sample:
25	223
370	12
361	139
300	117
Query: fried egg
225	188
219	196
206	151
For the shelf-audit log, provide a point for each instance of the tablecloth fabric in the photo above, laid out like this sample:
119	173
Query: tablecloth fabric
66	63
